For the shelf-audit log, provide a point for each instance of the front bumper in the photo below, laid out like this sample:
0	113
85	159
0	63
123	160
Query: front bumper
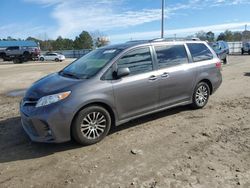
50	124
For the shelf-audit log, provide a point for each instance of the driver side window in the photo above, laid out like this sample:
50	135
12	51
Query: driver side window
138	61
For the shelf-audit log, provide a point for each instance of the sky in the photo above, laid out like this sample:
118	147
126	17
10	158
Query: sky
120	20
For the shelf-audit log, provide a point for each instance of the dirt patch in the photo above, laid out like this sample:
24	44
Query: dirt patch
180	147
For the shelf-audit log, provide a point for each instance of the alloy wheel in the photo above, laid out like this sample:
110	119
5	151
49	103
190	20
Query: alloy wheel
201	95
93	125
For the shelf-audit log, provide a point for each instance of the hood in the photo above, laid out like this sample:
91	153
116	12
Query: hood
51	84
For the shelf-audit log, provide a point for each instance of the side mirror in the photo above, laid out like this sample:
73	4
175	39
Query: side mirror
122	72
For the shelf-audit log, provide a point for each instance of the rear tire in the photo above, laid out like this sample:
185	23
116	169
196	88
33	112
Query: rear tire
225	61
201	95
56	59
91	125
17	61
26	55
249	52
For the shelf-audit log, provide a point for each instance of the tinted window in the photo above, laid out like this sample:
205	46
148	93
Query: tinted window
200	52
171	55
138	61
13	48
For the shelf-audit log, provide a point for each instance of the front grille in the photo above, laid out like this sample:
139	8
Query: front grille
29	102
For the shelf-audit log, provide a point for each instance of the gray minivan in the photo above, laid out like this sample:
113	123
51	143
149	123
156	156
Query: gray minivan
115	84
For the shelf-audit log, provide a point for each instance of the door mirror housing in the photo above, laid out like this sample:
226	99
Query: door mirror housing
122	72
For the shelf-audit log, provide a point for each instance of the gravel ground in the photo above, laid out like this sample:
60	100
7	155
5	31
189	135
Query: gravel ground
175	148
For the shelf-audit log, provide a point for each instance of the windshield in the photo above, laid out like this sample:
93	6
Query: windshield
90	64
215	46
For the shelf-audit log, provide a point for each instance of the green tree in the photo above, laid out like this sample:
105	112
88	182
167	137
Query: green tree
237	36
228	35
58	43
99	39
201	35
10	38
83	41
210	36
246	35
221	37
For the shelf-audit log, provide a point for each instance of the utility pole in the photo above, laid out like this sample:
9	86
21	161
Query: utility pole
162	18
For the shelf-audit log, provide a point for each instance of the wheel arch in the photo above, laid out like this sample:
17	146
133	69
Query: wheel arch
101	104
209	83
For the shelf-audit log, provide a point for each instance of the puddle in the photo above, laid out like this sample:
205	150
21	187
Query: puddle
16	93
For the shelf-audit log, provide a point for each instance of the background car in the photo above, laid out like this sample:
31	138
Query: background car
221	50
51	56
27	53
245	48
223	45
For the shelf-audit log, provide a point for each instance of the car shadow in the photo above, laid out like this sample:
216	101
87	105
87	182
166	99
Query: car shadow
149	118
15	144
247	74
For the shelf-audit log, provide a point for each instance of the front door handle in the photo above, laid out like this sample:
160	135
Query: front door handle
165	75
152	78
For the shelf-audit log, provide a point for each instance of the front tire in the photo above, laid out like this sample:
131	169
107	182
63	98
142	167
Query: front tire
26	55
91	125
57	60
201	95
225	61
41	59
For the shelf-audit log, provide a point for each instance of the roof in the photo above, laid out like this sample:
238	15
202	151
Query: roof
5	44
129	44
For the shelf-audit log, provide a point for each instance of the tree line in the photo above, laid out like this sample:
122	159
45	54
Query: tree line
228	36
84	40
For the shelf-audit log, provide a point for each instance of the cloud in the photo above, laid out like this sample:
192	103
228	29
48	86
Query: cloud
179	32
23	30
74	16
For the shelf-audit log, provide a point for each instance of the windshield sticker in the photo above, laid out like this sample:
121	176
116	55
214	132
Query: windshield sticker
109	51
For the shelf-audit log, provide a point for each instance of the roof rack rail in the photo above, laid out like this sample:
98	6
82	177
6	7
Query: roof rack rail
137	41
157	40
175	39
165	39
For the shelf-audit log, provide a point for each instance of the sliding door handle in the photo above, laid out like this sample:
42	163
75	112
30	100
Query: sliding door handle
152	78
165	75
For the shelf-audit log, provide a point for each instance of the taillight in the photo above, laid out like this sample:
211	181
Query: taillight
218	65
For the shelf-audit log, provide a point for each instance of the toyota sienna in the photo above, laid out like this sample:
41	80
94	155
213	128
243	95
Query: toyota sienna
115	84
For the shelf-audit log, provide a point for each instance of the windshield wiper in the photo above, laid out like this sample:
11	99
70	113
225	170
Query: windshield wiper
68	74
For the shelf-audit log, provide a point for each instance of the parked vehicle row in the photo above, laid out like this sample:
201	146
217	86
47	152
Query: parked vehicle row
115	84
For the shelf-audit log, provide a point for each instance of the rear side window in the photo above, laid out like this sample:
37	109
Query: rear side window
13	48
171	55
199	52
138	61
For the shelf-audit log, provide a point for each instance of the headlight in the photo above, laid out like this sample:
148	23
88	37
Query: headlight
44	101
